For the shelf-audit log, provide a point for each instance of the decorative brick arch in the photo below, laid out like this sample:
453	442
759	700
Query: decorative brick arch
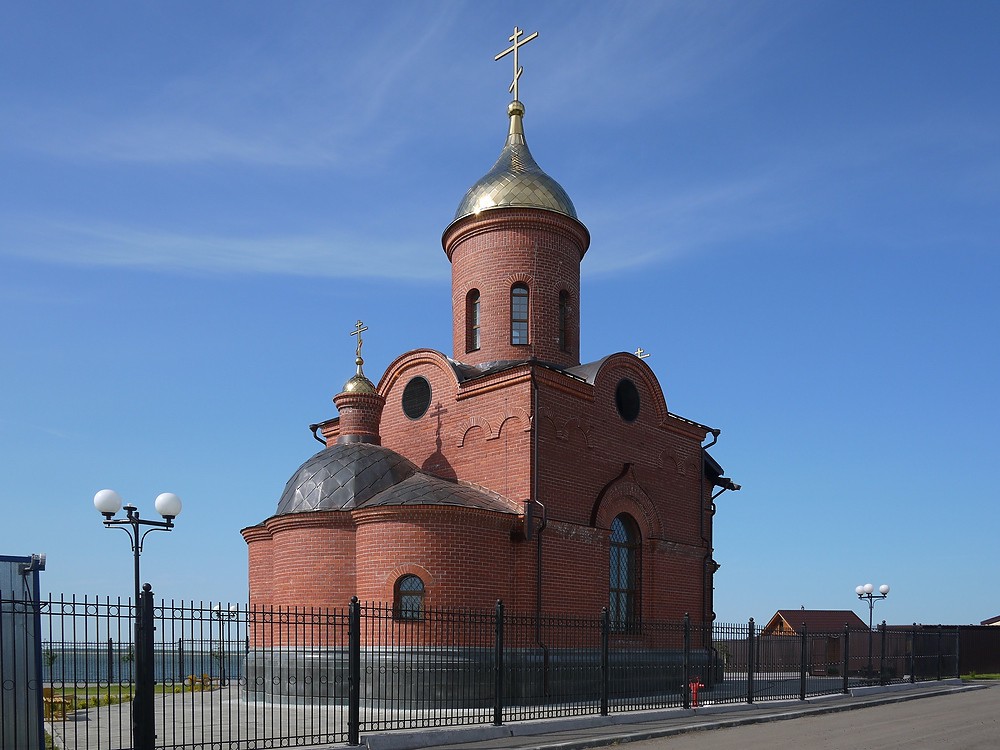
624	495
573	294
519	415
670	462
547	416
518	278
472	423
561	428
580	426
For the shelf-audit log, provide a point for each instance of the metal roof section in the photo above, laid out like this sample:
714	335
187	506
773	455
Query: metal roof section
424	489
347	476
342	477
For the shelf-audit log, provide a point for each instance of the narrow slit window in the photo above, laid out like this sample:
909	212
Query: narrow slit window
472	341
564	321
519	314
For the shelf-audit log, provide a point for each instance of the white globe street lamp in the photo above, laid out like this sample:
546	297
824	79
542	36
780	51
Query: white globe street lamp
866	592
168	505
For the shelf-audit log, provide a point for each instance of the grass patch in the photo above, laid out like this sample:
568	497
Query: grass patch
977	676
107	695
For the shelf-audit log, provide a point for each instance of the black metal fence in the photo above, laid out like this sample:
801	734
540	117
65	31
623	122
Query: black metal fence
275	677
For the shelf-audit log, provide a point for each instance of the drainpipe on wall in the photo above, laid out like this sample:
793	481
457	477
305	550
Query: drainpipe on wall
538	537
706	593
723	483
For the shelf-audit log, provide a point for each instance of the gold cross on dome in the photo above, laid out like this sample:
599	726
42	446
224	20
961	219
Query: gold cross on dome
358	328
641	353
517	43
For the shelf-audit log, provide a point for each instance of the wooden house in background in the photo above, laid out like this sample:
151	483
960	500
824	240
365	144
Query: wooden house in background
824	632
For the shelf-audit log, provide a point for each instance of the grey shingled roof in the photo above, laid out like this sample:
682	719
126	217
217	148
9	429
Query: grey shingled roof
355	475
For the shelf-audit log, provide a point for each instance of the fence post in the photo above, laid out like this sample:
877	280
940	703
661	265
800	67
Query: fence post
847	656
180	660
913	654
111	660
958	652
940	632
354	672
605	667
802	664
143	710
751	658
686	667
498	666
881	657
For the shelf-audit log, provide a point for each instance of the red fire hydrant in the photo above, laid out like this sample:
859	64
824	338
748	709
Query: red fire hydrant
694	685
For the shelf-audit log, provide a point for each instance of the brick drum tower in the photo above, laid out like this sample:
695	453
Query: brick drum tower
507	470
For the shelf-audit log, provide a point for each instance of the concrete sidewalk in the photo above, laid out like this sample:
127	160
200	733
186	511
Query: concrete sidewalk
578	732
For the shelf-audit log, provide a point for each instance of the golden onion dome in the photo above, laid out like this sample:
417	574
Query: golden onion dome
516	180
359	383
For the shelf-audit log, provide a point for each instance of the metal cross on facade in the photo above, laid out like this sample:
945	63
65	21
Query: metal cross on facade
641	353
359	327
517	42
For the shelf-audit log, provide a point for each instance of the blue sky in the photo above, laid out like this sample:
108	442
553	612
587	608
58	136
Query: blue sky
794	207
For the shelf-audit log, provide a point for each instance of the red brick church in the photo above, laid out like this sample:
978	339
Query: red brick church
506	469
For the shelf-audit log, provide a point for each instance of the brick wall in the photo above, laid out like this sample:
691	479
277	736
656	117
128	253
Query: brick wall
592	465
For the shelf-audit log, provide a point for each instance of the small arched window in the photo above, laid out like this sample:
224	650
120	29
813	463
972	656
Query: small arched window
472	341
564	321
625	566
408	598
519	314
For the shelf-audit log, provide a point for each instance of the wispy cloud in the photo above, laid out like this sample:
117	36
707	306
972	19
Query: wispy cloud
21	427
653	55
331	255
301	104
643	229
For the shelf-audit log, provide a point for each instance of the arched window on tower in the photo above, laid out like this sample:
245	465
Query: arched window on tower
519	314
625	573
564	321
408	598
472	320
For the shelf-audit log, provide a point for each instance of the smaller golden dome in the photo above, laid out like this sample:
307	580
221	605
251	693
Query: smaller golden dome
359	383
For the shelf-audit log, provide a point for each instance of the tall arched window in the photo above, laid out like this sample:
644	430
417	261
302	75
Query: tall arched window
408	598
472	342
625	573
519	314
564	321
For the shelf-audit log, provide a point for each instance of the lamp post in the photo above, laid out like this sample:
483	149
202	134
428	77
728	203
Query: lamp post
866	593
168	505
223	616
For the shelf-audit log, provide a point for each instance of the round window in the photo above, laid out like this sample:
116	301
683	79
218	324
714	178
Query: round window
627	400
416	397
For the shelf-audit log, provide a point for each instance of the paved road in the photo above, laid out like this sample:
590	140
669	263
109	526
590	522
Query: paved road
964	721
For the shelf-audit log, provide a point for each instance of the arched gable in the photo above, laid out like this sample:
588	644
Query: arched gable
399	366
620	365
